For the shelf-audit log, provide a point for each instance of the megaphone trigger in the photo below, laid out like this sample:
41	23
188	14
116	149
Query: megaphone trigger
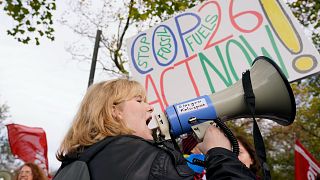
200	129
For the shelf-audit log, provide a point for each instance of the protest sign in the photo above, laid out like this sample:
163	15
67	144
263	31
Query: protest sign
206	49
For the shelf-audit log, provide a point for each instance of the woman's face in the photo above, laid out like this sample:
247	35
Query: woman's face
25	173
244	156
136	114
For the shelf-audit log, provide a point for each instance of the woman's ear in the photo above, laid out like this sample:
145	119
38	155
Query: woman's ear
116	112
251	161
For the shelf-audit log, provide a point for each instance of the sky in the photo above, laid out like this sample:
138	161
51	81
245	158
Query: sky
42	85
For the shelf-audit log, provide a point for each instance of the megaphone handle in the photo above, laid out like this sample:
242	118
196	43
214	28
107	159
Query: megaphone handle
199	131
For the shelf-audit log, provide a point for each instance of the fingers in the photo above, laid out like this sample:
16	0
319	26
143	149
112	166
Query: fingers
214	137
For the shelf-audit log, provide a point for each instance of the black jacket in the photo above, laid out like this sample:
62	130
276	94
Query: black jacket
133	158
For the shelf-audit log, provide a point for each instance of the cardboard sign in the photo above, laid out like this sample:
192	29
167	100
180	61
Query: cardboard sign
206	49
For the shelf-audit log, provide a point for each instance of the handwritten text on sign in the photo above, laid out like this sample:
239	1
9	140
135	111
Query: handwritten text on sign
207	48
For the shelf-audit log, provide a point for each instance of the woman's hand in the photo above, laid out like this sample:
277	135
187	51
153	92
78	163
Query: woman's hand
214	137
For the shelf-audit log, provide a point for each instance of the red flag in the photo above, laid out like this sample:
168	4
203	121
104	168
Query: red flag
306	166
29	144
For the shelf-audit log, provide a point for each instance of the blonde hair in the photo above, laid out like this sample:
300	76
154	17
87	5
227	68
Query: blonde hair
94	120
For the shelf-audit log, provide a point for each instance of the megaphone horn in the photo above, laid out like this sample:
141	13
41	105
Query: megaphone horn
274	100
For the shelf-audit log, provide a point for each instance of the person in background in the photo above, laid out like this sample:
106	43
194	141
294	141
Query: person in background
247	154
117	112
30	171
190	150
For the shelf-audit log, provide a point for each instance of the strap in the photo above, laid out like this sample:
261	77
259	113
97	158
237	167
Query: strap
257	137
87	154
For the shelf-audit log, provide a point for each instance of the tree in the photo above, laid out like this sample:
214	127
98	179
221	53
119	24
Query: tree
118	17
307	13
32	19
7	160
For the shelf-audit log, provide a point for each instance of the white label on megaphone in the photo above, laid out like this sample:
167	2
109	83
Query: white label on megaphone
192	106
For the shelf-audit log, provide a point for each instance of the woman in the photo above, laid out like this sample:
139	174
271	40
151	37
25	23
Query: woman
30	171
190	150
247	154
117	112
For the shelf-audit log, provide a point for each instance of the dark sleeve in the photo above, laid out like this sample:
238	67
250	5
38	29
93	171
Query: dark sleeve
170	165
224	164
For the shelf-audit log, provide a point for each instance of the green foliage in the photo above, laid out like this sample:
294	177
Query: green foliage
308	114
32	19
3	112
160	8
307	13
7	160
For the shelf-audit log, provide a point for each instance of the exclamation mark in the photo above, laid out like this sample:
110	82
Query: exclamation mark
288	35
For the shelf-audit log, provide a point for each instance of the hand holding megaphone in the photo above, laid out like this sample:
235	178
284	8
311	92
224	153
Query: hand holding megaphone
214	137
273	100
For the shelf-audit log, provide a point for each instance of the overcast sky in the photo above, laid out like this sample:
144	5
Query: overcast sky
42	85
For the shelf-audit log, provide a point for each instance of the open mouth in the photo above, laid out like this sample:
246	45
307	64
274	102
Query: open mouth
148	121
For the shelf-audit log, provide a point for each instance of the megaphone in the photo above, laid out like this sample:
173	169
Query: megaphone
274	100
